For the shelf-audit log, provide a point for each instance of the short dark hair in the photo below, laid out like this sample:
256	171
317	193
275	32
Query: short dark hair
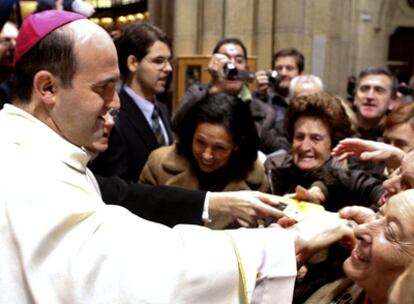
401	115
137	40
323	106
234	115
290	52
54	53
231	40
379	71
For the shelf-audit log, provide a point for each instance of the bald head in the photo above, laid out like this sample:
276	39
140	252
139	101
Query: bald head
304	85
85	31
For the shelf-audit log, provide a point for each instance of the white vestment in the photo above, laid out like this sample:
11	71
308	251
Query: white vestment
61	244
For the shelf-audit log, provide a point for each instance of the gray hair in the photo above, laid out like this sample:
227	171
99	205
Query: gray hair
305	81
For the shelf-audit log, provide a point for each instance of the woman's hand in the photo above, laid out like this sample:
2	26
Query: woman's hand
313	195
369	150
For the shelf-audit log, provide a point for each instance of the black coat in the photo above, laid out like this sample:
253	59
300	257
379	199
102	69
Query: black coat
130	143
163	204
342	187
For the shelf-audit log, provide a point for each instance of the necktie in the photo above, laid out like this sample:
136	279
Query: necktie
156	127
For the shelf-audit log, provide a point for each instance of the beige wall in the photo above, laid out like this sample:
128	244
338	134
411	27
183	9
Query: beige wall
337	37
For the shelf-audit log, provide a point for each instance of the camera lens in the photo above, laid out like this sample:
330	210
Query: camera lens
230	71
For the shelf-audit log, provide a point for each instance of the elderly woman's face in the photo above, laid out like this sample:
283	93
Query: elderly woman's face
212	146
403	289
311	144
384	245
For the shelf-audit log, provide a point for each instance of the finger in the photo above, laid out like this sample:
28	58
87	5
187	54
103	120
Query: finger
302	194
358	214
245	223
346	155
290	195
268	199
260	73
374	155
286	222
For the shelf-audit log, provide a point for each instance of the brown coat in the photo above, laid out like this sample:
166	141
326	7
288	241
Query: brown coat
166	167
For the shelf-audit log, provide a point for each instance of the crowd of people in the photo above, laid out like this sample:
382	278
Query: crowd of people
109	176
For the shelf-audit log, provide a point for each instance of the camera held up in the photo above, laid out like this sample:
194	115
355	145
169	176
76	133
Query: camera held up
232	73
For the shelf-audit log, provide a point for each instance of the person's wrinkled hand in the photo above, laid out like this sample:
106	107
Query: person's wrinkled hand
317	232
246	206
369	150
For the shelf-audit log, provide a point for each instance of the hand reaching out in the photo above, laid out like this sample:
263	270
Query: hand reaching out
246	206
369	150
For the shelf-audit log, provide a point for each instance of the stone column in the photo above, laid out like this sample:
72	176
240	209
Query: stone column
264	34
186	26
290	18
239	17
162	15
212	24
371	34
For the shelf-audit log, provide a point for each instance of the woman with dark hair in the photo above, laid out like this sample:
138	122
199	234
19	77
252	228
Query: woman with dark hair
216	150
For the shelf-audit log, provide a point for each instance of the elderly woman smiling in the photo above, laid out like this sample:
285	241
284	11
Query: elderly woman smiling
315	124
384	249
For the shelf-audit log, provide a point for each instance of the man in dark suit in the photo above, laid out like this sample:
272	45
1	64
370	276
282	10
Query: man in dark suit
142	125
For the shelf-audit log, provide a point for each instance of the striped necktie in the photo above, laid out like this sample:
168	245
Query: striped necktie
156	127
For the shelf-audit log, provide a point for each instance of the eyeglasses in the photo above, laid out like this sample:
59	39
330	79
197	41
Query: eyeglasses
160	62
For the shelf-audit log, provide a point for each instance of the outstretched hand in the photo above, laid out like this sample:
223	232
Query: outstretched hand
246	206
369	150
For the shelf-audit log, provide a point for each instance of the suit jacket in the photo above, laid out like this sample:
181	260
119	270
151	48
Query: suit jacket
162	204
130	143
